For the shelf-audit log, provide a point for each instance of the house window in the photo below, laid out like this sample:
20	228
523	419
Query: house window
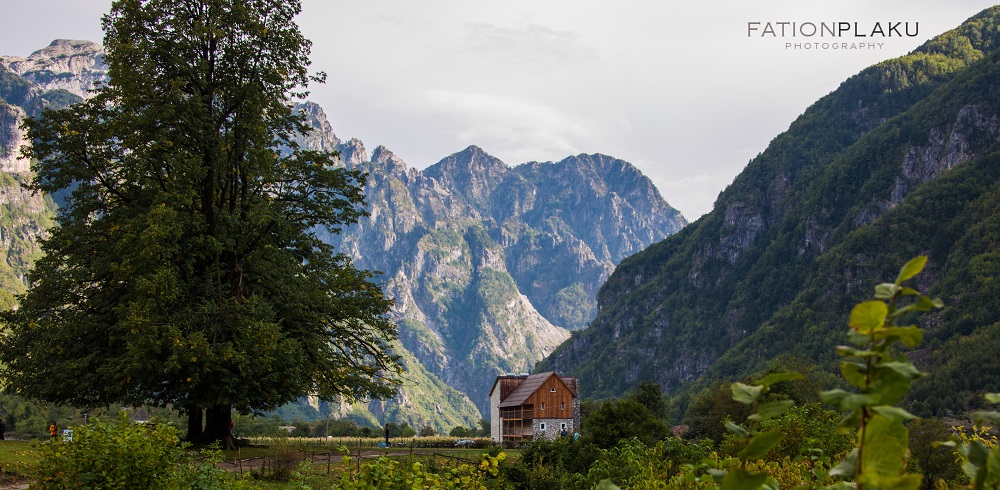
541	426
543	405
562	406
553	390
562	426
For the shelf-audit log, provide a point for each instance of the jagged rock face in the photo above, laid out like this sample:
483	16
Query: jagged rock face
74	66
322	137
12	137
679	310
491	266
25	218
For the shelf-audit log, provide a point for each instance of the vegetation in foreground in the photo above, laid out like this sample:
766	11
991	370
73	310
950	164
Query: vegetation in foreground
775	442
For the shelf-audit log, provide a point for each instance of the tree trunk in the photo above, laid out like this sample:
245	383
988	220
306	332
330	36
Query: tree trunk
218	426
195	420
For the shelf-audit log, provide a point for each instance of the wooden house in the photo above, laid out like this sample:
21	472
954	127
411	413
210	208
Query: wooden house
539	405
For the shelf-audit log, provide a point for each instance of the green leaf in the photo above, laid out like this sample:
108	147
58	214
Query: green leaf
745	393
908	291
738	479
868	316
891	380
894	412
850	422
606	484
845	400
848	351
904	369
979	417
911	268
902	482
771	409
761	443
885	449
992	397
886	290
774	378
847	467
858	339
855	373
976	452
909	336
737	429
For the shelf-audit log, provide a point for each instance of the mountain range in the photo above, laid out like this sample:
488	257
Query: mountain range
491	266
900	160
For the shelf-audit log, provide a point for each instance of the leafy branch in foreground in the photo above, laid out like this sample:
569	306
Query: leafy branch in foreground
882	378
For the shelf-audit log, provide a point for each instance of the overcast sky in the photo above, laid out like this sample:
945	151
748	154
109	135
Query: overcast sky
681	91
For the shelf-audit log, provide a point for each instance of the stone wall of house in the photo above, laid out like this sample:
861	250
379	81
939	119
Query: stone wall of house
552	427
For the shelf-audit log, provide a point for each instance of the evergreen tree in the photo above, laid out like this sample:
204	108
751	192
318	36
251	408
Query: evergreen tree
186	267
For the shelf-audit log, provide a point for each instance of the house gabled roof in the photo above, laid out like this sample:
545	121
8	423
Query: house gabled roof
505	376
570	383
529	386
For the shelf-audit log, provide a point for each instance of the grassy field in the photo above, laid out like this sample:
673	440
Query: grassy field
17	459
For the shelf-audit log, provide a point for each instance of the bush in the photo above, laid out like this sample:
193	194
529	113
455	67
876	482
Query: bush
126	456
280	461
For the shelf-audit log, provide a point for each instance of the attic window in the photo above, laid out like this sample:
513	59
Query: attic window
543	405
553	390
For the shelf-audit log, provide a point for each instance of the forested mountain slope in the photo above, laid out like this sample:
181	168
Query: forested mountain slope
804	231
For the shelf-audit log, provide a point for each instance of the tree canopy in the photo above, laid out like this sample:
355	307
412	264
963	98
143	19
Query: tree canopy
186	268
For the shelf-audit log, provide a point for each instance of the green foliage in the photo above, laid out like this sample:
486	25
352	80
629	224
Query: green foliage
928	457
125	455
710	408
391	474
280	461
621	419
981	458
557	460
186	268
650	396
882	378
459	431
809	430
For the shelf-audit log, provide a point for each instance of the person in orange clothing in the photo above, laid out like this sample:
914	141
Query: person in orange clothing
54	431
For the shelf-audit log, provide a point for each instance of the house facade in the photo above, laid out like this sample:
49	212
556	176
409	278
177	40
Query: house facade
525	406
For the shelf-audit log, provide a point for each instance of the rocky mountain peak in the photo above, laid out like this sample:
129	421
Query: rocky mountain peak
385	158
472	173
321	138
353	152
74	66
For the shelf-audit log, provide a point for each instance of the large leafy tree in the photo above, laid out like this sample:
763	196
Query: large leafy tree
185	268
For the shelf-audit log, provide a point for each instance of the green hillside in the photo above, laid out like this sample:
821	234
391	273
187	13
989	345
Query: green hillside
805	230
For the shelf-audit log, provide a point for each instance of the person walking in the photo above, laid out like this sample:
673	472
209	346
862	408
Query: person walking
54	431
3	428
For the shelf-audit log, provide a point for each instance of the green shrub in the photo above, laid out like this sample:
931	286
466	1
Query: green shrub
125	455
280	461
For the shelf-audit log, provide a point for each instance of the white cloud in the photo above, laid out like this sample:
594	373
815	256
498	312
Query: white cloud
520	130
678	89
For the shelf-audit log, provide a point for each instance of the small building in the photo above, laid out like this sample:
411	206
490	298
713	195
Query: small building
526	406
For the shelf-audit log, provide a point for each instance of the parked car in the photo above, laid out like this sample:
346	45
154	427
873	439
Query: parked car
464	442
